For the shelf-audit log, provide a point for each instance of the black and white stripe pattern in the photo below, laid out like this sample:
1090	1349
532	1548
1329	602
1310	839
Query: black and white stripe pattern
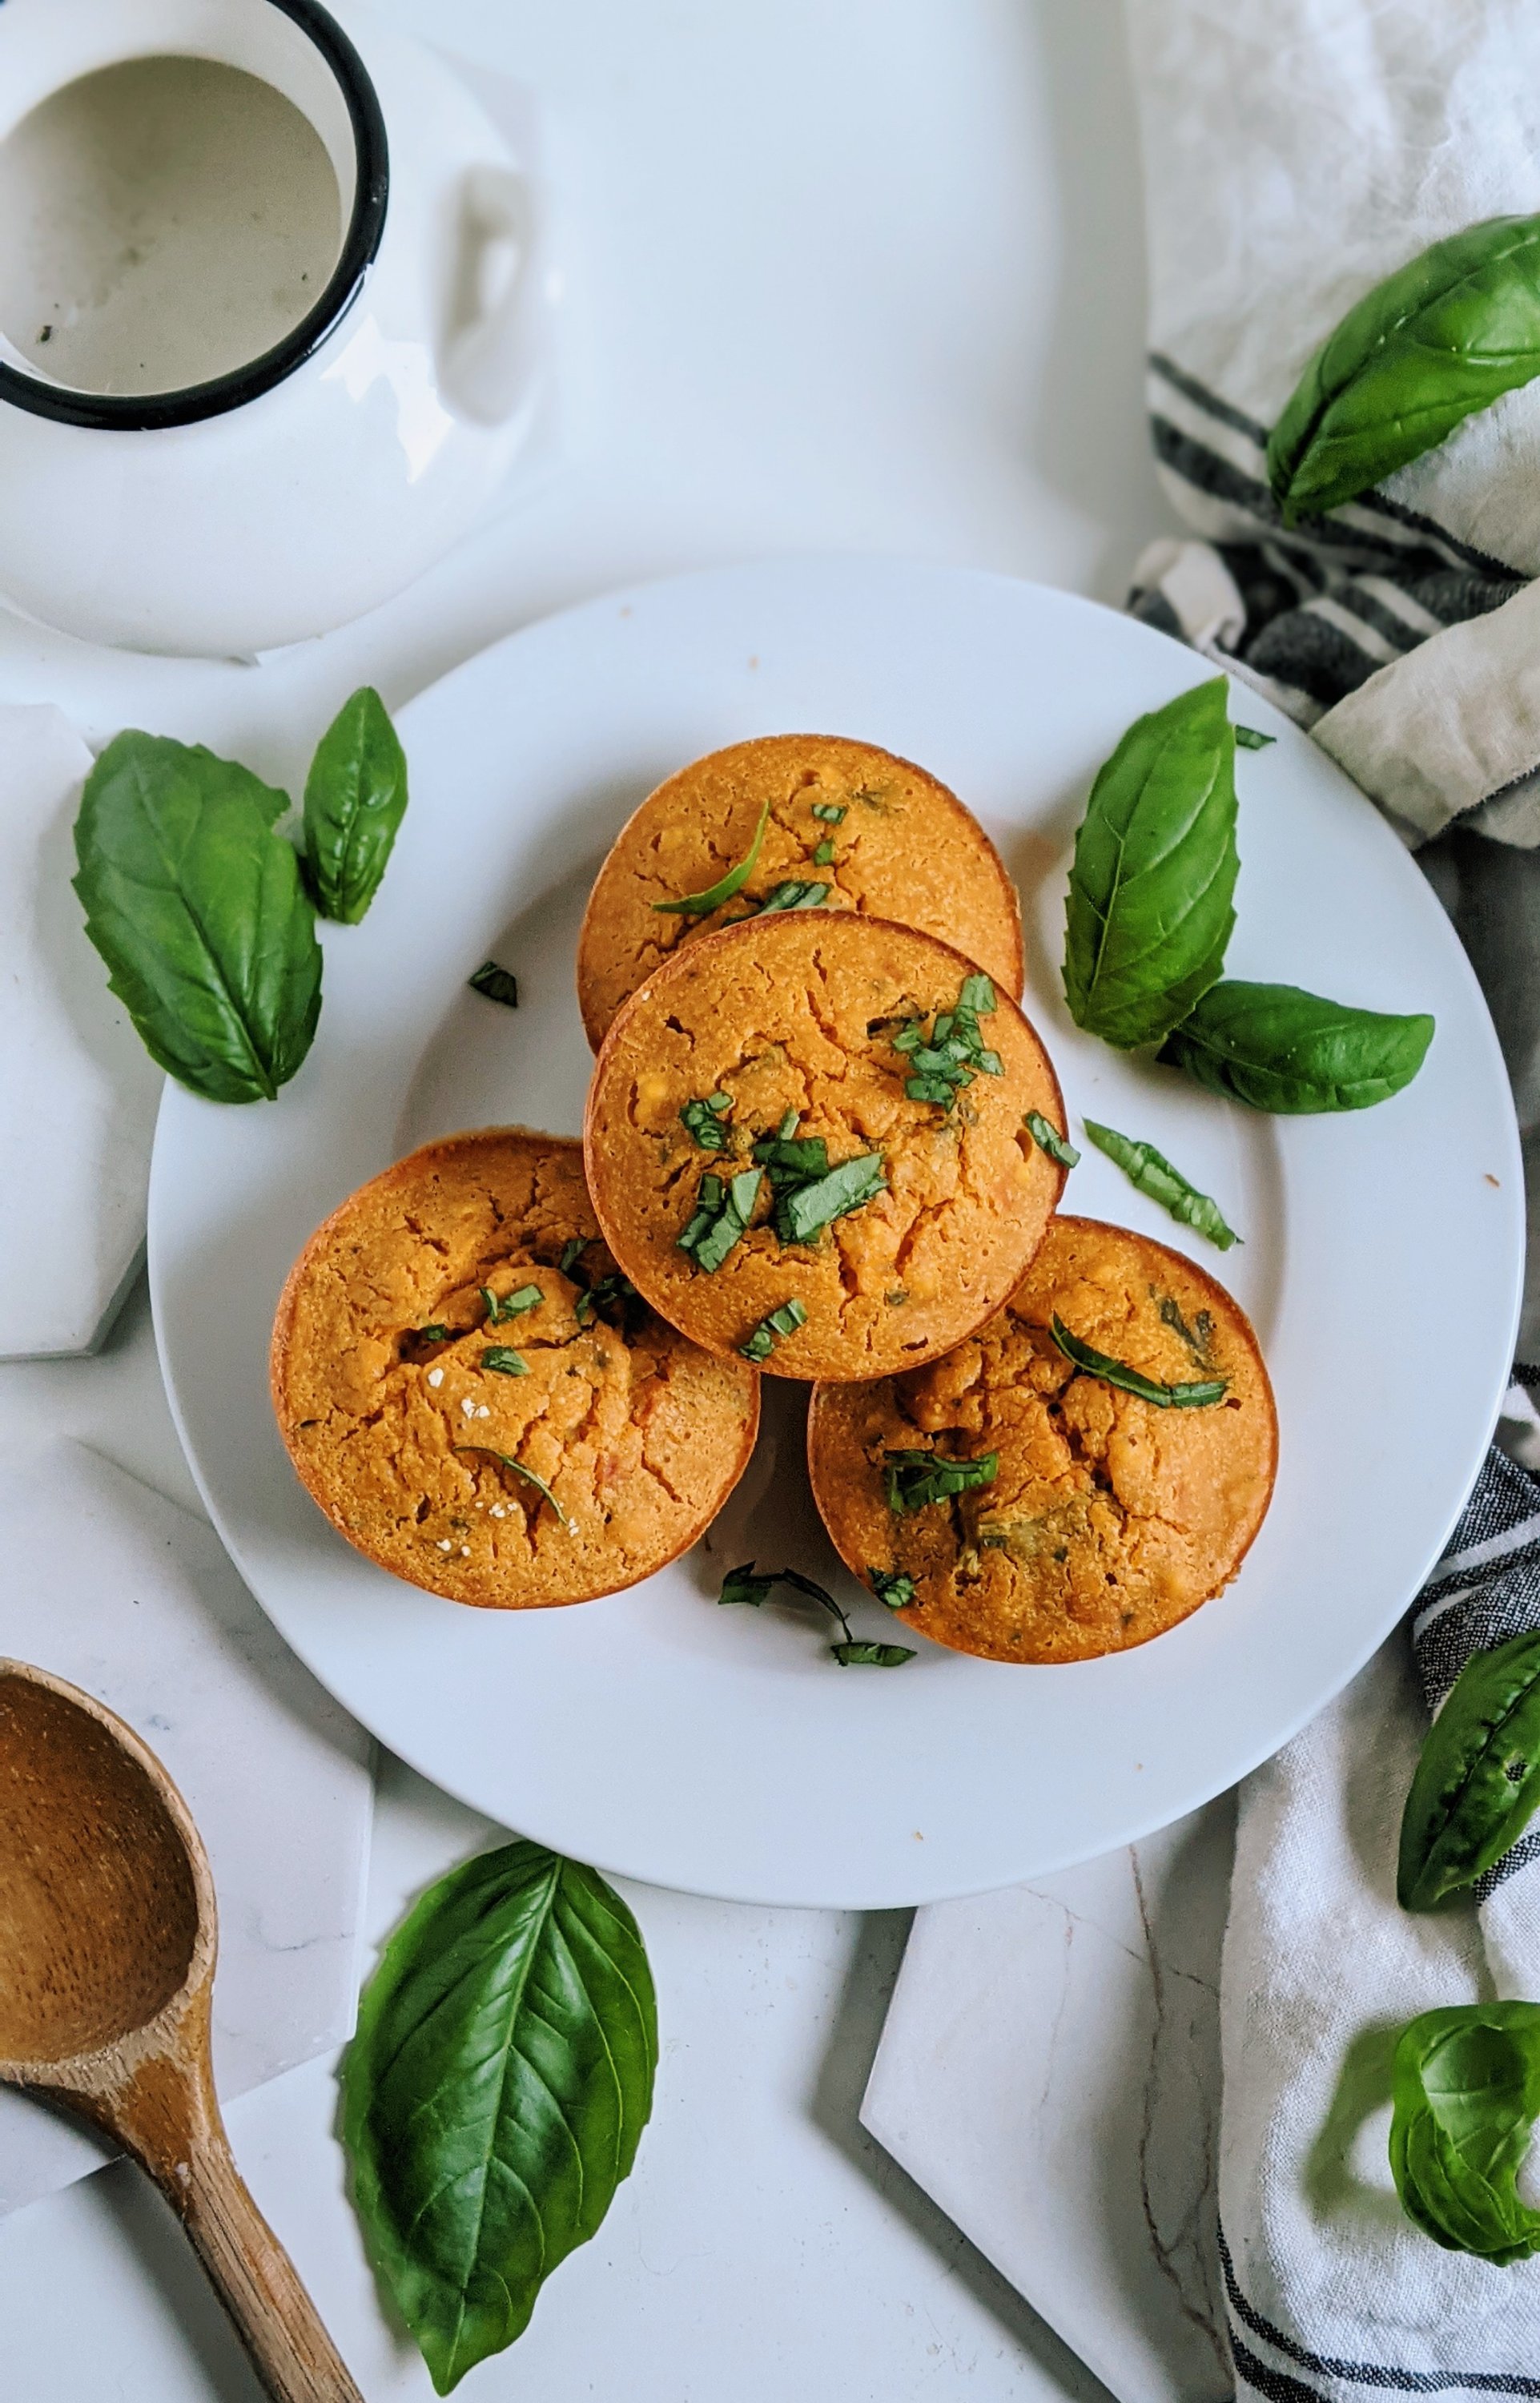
1270	2364
1318	611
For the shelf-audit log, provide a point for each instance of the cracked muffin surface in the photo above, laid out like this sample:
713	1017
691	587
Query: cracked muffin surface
393	1411
767	1058
1108	1519
885	838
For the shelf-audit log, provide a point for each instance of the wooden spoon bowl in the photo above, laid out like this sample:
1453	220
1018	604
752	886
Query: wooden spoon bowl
108	1942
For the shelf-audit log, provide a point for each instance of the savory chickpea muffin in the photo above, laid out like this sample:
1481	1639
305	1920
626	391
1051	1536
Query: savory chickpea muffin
479	1401
865	830
807	1143
1017	1501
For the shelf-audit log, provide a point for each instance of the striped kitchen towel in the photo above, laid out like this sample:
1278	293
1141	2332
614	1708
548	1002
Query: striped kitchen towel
1296	152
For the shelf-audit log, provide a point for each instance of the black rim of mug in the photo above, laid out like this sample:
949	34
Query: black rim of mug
148	411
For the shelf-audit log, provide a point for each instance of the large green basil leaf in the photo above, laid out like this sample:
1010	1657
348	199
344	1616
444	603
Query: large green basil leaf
1151	898
495	2092
1467	2095
196	907
1477	1783
355	798
1278	1049
1446	334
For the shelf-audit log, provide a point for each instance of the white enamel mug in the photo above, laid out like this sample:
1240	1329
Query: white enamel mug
295	490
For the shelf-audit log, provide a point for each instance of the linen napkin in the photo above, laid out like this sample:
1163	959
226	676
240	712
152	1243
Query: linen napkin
1296	152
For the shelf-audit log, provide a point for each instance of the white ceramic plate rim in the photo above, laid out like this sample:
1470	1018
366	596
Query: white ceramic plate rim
724	1754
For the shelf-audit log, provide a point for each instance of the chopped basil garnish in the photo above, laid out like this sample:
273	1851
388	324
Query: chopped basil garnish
510	1305
803	1213
699	904
497	983
1250	739
913	1480
434	1334
506	1363
572	1252
1198	1337
832	813
745	1583
790	895
893	1587
1048	1138
1117	1372
527	1474
954	1052
824	852
723	1207
1151	1172
773	1330
704	1120
611	1291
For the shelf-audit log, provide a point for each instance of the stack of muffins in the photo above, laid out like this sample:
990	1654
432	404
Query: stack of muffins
519	1371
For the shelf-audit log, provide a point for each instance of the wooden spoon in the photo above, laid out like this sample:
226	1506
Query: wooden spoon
108	1939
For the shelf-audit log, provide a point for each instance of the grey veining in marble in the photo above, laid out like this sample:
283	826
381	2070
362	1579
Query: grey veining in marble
1049	2074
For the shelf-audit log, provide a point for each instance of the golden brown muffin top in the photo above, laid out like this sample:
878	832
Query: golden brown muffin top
1108	1519
895	844
463	1306
811	1029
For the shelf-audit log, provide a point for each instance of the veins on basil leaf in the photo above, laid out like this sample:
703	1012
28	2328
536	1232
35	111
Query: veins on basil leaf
1278	1049
1466	2096
355	798
1477	1782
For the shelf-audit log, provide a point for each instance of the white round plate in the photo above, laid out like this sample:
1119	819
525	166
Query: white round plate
723	1751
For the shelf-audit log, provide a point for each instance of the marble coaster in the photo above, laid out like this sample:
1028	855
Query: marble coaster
105	1583
79	1093
1049	2074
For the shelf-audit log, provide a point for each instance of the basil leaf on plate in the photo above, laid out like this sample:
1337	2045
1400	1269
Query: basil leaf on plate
1277	1049
355	798
1048	1138
1151	897
498	984
1092	1363
1248	738
1153	1174
198	909
701	905
872	1656
1477	1782
1467	2095
1443	337
495	2093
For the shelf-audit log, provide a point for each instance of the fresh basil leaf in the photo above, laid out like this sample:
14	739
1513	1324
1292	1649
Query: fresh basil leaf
913	1481
498	984
355	798
1152	1173
741	1585
792	1159
702	1120
772	1329
1152	890
198	909
495	2093
872	1656
510	1305
1477	1782
893	1587
1092	1363
802	1213
1465	2090
504	1362
745	1585
528	1475
1277	1049
1249	739
1443	337
723	1207
1048	1138
792	895
699	904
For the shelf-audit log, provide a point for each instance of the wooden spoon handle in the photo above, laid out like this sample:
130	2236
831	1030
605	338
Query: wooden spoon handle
257	2282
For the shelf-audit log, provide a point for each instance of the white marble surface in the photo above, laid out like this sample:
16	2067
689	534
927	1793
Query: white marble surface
1049	2074
840	275
106	1583
77	1091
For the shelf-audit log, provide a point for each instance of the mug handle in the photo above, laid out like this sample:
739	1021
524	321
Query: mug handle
491	357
